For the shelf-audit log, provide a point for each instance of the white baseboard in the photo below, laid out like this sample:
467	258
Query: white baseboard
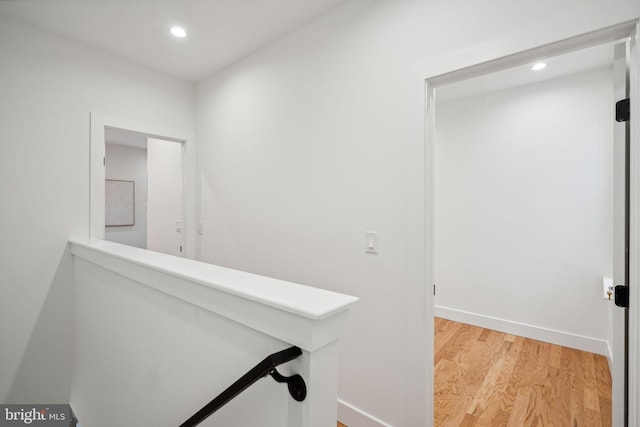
351	416
579	342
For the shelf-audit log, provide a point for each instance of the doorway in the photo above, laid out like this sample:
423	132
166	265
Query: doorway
151	216
153	170
433	81
524	222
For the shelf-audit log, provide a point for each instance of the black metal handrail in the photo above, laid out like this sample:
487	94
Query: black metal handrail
295	383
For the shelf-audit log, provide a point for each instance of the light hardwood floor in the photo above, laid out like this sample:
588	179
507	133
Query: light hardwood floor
488	378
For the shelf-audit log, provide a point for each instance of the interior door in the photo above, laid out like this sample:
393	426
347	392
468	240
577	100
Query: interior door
620	315
164	197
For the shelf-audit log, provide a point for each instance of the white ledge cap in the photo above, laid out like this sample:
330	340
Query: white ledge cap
306	301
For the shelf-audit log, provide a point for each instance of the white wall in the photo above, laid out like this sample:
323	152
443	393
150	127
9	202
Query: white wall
49	86
305	145
129	164
523	208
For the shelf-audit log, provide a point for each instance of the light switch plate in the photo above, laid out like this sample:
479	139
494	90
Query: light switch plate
371	242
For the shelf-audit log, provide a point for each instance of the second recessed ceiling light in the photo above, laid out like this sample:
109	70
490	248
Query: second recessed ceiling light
178	32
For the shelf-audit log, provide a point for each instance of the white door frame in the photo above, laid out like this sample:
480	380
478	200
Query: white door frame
97	172
634	233
526	46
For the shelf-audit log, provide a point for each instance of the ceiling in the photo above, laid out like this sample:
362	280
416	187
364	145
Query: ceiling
562	65
125	137
219	32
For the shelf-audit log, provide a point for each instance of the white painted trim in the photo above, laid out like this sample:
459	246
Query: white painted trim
617	314
544	40
350	415
302	315
97	172
419	275
610	358
566	339
634	234
585	28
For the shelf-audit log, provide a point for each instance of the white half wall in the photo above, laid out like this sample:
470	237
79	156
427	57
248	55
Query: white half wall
129	164
159	336
49	86
156	360
523	209
145	358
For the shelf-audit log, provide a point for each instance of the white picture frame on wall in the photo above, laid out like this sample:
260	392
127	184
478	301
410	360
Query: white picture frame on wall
120	208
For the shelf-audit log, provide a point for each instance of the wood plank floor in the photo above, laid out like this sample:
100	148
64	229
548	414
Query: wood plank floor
488	378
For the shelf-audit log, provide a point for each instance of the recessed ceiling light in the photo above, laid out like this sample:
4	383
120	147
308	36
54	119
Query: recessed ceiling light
538	66
178	32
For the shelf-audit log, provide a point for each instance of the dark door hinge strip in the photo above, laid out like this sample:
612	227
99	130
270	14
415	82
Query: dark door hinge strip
623	110
621	293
